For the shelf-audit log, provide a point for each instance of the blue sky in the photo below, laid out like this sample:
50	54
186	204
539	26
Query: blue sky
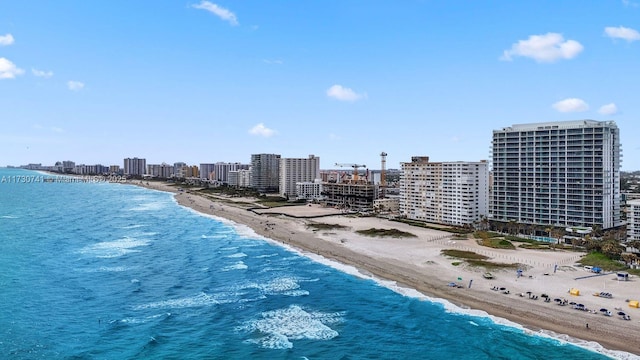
207	81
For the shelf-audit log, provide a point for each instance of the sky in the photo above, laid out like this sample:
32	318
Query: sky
216	81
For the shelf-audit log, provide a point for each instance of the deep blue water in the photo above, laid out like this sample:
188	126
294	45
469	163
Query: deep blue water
110	271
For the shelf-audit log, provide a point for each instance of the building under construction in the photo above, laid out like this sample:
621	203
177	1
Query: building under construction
353	192
357	196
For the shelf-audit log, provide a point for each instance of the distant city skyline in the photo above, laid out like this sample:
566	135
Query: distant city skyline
208	81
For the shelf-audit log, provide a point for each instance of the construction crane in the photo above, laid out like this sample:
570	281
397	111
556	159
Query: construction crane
355	169
383	175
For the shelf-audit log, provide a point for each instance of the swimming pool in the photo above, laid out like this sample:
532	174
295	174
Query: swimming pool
544	239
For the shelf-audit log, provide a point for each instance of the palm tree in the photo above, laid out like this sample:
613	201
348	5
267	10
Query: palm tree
634	244
591	244
612	249
484	223
596	231
558	233
575	242
628	258
512	227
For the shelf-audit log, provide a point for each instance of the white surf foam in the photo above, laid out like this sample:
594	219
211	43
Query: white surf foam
247	232
8	217
131	320
199	300
236	255
132	226
266	256
292	323
111	249
153	206
215	237
237	266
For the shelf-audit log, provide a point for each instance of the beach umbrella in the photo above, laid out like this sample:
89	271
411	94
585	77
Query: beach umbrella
603	310
572	303
621	313
557	300
544	295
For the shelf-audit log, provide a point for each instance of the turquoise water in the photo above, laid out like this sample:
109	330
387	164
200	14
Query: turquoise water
544	239
110	271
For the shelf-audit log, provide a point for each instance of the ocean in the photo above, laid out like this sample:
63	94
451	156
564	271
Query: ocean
112	271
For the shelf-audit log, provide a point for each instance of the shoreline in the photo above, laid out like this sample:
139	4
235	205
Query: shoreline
608	336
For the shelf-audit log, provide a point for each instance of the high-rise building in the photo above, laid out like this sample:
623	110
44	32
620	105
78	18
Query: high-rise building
163	170
296	170
135	166
67	166
207	171
633	220
265	170
557	173
221	170
455	193
114	169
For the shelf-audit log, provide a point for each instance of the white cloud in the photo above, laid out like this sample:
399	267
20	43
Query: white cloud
629	3
54	129
6	40
609	109
544	48
262	130
75	85
622	32
341	93
333	136
571	105
9	70
218	11
41	73
273	62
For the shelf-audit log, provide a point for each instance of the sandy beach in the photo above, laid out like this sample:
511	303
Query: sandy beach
418	263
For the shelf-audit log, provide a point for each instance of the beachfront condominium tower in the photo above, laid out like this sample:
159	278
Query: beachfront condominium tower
135	166
265	170
557	174
455	193
221	170
297	170
633	220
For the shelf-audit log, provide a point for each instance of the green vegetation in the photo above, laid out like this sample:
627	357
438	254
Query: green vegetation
480	234
602	261
493	266
461	254
320	226
231	191
385	233
497	243
451	229
478	260
523	240
535	245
